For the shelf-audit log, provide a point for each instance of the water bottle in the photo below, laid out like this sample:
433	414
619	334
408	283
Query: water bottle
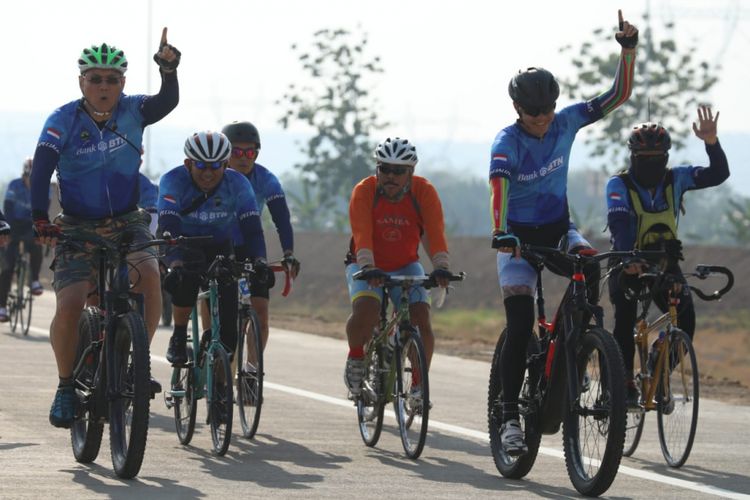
244	291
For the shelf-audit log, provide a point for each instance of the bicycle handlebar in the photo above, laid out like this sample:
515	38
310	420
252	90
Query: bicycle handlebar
407	281
702	272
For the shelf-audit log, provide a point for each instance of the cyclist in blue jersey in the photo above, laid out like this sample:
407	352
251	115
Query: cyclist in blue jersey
204	198
149	194
643	212
4	230
94	144
528	180
17	206
245	141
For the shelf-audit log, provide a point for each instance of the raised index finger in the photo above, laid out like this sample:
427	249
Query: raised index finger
620	20
164	37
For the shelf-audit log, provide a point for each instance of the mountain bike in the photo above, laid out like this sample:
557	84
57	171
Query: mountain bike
396	370
249	356
667	369
574	376
166	298
207	373
20	298
112	366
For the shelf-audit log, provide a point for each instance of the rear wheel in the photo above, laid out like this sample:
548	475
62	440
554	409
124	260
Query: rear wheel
128	424
249	373
412	402
677	400
25	311
594	431
370	403
635	418
220	400
86	430
514	467
183	398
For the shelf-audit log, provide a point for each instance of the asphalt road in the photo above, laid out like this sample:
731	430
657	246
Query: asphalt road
308	444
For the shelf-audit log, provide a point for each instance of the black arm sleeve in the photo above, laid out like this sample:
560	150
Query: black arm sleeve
717	170
158	106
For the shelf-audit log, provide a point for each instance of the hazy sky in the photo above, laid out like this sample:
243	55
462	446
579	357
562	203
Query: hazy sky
447	64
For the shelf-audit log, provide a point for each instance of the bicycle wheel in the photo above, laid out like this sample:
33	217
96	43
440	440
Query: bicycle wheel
635	419
220	400
249	373
25	311
128	410
166	308
370	403
677	401
183	399
594	433
86	430
514	467
412	404
14	311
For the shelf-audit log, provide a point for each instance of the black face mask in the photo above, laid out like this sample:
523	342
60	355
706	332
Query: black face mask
648	171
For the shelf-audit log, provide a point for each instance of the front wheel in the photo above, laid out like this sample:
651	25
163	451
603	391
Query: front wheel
635	417
219	400
514	467
129	407
412	404
86	431
594	427
249	372
677	400
183	398
371	403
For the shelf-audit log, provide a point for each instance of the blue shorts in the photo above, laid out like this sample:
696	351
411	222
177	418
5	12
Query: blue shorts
515	272
360	288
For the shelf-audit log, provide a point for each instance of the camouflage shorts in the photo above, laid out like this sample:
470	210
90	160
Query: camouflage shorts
72	265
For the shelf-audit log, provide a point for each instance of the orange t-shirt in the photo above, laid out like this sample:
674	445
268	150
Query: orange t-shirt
390	231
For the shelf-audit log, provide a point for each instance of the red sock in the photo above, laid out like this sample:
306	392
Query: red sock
357	352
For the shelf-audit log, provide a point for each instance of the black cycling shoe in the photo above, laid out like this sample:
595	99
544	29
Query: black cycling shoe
155	386
177	352
632	396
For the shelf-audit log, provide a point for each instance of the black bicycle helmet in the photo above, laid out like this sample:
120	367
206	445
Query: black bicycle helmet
241	132
650	137
534	88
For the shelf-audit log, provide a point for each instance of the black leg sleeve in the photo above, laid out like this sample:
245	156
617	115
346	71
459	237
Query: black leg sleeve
519	311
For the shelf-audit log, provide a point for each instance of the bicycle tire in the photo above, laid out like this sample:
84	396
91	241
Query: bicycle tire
673	417
220	401
591	466
412	413
249	383
166	308
129	410
635	419
13	311
185	407
510	466
87	428
25	312
16	298
371	402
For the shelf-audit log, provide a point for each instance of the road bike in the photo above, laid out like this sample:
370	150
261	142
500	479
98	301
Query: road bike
208	372
249	354
574	377
666	368
20	298
396	370
112	366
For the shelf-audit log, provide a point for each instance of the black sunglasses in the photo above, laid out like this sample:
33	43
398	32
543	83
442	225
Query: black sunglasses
392	169
98	79
539	110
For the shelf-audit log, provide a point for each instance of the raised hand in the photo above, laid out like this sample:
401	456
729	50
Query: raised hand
705	129
168	57
627	36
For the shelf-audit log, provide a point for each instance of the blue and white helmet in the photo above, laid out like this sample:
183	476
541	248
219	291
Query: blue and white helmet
396	151
208	146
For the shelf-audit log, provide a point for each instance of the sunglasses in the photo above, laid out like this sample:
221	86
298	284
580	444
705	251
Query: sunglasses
240	152
215	165
540	110
391	169
98	79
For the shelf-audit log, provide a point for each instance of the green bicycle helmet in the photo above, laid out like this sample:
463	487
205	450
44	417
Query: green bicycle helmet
102	57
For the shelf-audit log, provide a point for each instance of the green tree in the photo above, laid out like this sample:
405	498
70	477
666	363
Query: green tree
668	85
336	103
738	216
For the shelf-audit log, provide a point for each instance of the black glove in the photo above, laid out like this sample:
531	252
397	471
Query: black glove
291	264
372	273
441	273
263	274
673	248
501	239
165	65
45	229
4	228
627	42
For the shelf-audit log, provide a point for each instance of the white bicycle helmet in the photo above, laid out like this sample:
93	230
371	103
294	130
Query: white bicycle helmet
396	151
208	146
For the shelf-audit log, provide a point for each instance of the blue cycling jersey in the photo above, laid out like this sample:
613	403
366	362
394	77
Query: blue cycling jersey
149	193
230	208
268	191
17	204
537	169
